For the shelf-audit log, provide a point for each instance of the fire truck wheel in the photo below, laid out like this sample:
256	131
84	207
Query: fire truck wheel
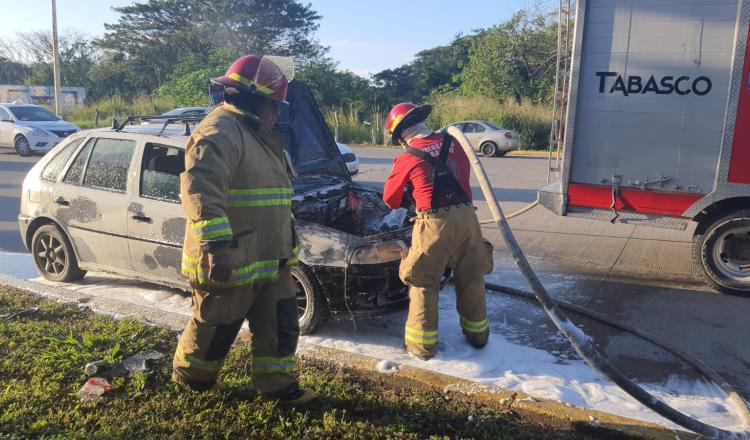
312	306
721	251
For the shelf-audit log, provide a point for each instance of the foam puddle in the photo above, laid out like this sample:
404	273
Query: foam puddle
502	362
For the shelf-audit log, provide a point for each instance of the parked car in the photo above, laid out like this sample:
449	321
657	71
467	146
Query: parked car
108	200
30	128
350	159
182	111
488	138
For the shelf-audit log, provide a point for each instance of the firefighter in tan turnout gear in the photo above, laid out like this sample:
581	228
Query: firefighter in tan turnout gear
240	239
434	171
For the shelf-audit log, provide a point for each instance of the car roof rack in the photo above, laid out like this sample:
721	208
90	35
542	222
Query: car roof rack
168	119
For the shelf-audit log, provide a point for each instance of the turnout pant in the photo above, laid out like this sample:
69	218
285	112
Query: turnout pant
450	237
270	308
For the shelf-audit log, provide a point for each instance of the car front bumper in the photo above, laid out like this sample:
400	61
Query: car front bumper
364	290
43	143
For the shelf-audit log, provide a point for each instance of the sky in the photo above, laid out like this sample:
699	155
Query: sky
364	37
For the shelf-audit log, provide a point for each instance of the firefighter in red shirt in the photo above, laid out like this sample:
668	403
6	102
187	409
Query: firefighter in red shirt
435	171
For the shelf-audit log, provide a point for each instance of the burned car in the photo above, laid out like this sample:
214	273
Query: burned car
109	200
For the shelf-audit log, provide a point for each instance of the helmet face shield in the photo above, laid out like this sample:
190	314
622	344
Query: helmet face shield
216	92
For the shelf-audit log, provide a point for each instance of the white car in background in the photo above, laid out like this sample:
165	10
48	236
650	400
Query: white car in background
352	163
31	128
488	138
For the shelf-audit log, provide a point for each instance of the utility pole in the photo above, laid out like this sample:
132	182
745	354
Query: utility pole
56	60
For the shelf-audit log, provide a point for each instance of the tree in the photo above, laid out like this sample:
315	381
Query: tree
33	51
432	69
12	71
333	87
516	58
155	36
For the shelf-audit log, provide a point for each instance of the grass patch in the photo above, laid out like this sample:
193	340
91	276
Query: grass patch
118	107
42	356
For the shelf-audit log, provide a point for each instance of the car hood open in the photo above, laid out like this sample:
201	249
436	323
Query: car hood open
307	137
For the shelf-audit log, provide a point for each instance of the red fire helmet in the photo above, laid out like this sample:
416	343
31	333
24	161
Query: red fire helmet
266	76
403	115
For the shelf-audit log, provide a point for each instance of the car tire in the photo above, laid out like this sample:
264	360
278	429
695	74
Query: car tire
488	149
54	255
721	251
312	305
23	148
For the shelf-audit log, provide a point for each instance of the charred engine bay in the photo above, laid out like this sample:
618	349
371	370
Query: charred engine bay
347	208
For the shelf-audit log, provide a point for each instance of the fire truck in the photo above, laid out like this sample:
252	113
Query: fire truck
655	125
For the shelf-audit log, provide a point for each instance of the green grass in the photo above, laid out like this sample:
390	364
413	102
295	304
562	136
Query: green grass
42	356
116	107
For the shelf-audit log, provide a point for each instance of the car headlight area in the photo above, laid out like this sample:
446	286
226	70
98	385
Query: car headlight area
40	138
378	253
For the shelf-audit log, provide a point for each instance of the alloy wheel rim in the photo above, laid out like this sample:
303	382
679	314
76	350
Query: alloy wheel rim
50	254
22	145
731	253
301	294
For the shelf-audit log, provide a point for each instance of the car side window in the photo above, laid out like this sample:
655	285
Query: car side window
75	172
160	172
52	170
478	128
4	116
469	128
109	164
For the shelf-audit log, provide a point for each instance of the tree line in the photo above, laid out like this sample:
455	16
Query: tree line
171	48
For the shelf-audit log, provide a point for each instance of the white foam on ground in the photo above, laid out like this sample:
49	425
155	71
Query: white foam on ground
501	363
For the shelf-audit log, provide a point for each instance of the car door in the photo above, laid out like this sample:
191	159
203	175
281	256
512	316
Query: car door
6	128
473	133
156	223
91	201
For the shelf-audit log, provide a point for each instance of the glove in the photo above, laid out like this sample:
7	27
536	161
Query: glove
219	266
407	201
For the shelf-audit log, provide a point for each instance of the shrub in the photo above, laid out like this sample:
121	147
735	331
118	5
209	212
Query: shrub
531	121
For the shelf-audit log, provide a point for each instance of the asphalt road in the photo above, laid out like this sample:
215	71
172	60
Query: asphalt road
13	169
639	275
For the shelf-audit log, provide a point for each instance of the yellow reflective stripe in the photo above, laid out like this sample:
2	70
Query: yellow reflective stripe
424	337
475	326
191	361
211	229
269	364
273	202
294	259
251	273
261	191
242	80
395	123
260	197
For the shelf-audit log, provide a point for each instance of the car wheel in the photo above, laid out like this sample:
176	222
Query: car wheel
488	149
722	253
23	148
312	305
54	255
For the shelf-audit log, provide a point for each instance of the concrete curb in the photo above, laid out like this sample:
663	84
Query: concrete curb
547	412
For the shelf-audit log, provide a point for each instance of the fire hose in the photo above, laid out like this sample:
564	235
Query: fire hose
583	346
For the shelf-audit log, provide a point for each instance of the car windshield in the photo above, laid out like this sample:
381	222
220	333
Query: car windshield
33	114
